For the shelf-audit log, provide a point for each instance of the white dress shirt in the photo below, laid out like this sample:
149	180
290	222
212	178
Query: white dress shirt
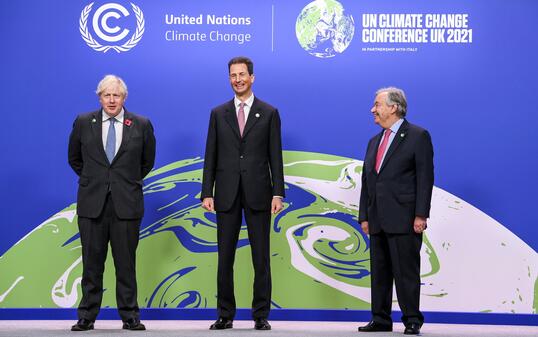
246	109
118	126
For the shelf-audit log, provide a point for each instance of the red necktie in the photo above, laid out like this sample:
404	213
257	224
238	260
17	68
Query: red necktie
241	118
382	150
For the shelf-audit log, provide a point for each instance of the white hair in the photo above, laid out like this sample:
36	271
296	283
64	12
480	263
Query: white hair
395	96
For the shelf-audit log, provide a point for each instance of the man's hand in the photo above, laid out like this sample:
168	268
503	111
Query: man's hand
276	205
420	224
364	227
208	204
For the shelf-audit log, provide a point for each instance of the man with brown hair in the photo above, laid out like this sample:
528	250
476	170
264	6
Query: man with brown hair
243	165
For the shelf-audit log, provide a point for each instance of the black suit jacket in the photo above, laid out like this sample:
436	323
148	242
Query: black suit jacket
255	159
402	190
123	176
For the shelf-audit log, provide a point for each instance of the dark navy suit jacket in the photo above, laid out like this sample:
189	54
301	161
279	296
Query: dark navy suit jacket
254	160
390	200
123	177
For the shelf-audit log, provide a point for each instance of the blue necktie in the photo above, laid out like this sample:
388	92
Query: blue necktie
111	141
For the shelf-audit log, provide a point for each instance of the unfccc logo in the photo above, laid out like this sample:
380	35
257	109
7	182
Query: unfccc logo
101	22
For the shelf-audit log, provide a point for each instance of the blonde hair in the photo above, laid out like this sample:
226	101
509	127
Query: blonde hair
109	80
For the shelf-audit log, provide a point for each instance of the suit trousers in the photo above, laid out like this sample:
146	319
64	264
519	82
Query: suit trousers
228	228
395	258
123	235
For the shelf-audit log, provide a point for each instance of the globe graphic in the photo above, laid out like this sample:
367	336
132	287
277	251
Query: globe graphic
177	252
323	29
320	259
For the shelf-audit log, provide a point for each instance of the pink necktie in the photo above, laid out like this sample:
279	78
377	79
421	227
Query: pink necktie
382	149
241	118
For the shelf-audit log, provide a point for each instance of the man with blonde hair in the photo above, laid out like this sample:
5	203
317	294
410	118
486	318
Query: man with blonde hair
111	150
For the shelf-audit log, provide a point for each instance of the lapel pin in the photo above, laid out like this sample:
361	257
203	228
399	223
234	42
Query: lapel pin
94	120
402	135
128	122
257	115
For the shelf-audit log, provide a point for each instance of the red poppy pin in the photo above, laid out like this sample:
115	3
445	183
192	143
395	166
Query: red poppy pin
128	122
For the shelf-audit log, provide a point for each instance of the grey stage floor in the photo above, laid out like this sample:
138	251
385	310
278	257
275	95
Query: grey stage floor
245	329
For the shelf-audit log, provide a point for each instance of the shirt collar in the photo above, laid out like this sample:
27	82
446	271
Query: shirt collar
396	126
119	117
248	102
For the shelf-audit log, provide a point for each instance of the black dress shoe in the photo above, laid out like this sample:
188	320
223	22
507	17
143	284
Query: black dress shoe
82	325
133	324
373	326
261	324
222	323
412	329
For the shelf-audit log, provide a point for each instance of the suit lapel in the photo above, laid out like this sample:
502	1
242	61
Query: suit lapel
231	118
253	116
398	139
127	132
97	131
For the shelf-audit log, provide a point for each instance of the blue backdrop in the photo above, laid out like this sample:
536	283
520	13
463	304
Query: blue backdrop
476	99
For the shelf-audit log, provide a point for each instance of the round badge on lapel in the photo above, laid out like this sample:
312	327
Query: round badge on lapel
257	115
